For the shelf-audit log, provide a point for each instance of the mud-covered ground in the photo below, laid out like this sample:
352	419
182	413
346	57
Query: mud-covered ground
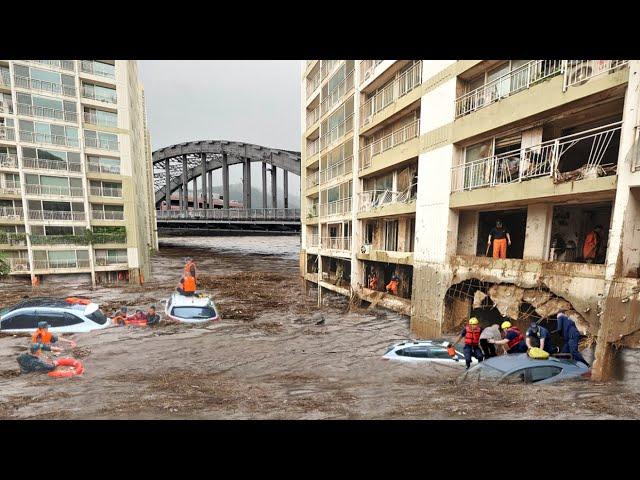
268	358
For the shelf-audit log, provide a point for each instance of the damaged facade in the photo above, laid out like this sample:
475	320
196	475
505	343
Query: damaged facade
408	165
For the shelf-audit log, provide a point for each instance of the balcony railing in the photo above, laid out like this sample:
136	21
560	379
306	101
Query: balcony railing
312	117
96	68
391	92
7	133
60	264
395	138
13	238
513	82
11	213
313	147
314	240
313	210
337	207
63	64
8	160
101	238
36	137
43	215
111	261
59	239
106	192
6	107
106	215
231	214
18	265
102	144
312	179
44	86
48	113
10	188
47	164
334	97
92	118
336	133
100	168
538	161
371	199
334	170
53	190
5	79
326	66
102	97
367	67
313	83
578	72
336	243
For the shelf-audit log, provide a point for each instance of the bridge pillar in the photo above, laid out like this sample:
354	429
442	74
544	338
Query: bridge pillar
246	184
264	185
210	183
285	186
225	181
185	194
204	180
274	186
167	188
195	193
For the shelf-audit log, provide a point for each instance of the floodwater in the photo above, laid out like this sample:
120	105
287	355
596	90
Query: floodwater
274	355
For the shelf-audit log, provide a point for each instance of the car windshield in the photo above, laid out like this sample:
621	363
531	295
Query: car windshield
194	312
97	317
482	371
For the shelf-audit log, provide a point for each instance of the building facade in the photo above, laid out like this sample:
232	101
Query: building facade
76	180
408	164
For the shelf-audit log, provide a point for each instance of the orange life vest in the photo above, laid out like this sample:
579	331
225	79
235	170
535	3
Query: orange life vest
515	340
451	351
189	284
41	336
472	335
393	286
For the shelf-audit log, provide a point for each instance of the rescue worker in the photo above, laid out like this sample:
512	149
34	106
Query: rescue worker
44	336
187	285
152	317
32	361
119	317
538	336
190	267
501	238
373	281
571	337
392	286
592	244
492	332
513	340
471	334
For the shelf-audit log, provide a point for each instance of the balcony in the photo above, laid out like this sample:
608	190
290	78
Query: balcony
372	199
59	239
312	84
8	160
336	243
337	169
53	190
391	92
7	133
106	192
314	240
64	216
106	215
6	107
63	64
101	97
540	161
48	139
14	239
367	67
312	117
313	210
11	213
395	138
335	96
10	188
337	207
312	180
18	265
54	165
100	168
47	113
120	261
336	133
513	82
96	68
5	80
61	264
43	86
578	72
326	66
102	238
92	118
111	145
313	147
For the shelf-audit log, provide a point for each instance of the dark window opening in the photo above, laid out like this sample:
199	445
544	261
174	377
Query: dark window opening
513	221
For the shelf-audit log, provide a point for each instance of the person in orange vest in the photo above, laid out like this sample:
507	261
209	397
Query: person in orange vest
592	244
119	317
190	267
392	286
44	336
471	334
187	285
513	341
373	281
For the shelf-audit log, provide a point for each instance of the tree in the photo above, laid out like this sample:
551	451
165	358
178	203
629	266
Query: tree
5	268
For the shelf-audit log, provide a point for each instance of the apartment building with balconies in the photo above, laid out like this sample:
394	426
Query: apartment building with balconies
73	148
447	148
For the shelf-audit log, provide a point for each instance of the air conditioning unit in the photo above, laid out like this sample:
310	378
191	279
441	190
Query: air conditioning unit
365	248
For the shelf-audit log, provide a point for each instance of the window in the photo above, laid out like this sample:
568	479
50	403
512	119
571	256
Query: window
194	312
391	235
516	377
440	353
537	374
368	233
415	352
58	319
20	320
482	372
97	317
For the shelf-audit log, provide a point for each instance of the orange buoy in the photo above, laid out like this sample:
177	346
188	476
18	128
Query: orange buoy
78	301
78	368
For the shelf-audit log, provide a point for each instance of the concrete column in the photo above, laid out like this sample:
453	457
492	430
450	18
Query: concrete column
185	198
225	181
274	187
167	188
210	191
246	183
285	187
204	180
195	193
538	232
264	185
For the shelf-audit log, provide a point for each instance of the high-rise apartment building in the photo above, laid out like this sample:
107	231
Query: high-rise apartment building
407	165
76	193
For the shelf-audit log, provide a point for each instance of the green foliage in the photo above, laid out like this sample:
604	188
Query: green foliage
5	268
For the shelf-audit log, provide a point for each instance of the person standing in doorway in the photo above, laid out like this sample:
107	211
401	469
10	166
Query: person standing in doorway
501	238
592	243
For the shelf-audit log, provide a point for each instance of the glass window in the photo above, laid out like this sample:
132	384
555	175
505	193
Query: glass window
537	374
21	71
47	154
20	320
193	312
54	181
47	103
45	76
24	98
97	317
391	235
516	377
440	353
416	352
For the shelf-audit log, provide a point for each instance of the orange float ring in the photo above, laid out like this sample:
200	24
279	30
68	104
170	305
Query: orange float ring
78	300
78	368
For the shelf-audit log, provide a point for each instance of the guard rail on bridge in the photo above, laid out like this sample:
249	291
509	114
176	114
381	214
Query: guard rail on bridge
232	214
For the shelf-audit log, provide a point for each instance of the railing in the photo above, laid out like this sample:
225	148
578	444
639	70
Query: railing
536	161
342	167
336	132
107	215
92	118
579	72
5	79
102	97
313	147
367	67
36	137
111	261
337	207
513	82
53	190
101	238
43	215
106	192
313	116
63	64
326	66
6	107
96	68
231	214
313	83
312	179
395	138
7	133
45	112
314	240
11	213
13	238
44	86
8	160
335	96
336	243
18	265
391	92
60	264
101	143
10	188
59	240
371	199
47	164
313	210
100	168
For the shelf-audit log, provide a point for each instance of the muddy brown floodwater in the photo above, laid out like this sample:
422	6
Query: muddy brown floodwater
268	358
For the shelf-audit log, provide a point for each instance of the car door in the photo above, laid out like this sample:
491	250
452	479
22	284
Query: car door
22	320
60	321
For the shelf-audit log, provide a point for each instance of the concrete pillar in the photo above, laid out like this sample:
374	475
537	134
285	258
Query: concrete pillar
285	187
264	185
538	232
246	183
167	188
225	181
274	187
210	192
184	205
195	193
205	188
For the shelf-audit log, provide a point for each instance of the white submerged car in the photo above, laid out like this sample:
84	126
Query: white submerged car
429	351
197	308
62	315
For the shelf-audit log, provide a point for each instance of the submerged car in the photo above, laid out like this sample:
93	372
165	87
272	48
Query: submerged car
424	351
197	308
520	368
65	315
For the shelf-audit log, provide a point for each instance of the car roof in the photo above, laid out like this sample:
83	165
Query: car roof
44	302
515	361
190	301
421	343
